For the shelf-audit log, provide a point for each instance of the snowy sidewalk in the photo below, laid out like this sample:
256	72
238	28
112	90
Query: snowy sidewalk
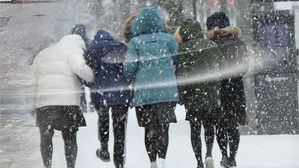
254	151
20	146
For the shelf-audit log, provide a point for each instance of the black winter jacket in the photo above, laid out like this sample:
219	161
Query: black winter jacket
233	103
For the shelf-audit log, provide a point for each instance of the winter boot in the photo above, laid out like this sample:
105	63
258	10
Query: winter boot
209	162
232	163
161	163
200	165
118	165
154	165
224	163
103	154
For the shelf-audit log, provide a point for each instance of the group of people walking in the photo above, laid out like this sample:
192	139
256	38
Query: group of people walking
152	72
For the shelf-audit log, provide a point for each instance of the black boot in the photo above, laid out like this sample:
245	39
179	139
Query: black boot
232	162
224	163
200	165
119	166
103	154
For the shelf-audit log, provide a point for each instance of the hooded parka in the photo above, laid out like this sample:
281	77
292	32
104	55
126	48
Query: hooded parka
106	57
149	61
233	103
197	69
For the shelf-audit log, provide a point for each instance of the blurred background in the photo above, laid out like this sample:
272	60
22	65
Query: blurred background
270	29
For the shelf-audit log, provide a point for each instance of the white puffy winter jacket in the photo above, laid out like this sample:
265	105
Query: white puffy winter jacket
56	71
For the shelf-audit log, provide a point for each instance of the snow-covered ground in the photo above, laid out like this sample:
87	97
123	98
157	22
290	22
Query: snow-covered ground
20	146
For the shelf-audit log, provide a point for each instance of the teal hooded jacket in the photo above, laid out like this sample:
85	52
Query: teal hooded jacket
149	61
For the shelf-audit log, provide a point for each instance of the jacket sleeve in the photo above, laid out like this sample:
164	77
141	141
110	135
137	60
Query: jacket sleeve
131	62
220	66
79	67
243	54
89	57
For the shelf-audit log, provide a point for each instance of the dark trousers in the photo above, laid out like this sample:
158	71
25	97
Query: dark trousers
196	139
46	146
119	117
156	141
156	132
228	135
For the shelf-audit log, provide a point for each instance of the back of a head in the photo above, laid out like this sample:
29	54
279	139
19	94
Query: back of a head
102	35
190	29
71	42
147	21
218	19
79	29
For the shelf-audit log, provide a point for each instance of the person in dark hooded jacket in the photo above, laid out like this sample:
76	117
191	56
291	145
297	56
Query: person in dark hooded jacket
232	112
109	91
197	67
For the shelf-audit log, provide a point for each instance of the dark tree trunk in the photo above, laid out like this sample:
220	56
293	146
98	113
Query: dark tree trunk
194	9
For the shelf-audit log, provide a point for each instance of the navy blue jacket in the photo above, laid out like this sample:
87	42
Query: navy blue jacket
106	57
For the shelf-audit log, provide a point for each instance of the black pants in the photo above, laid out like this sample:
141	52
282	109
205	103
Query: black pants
119	117
156	132
196	139
67	119
228	135
46	146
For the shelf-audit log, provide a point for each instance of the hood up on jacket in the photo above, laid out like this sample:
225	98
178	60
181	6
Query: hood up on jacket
190	30
110	50
127	32
147	21
71	42
102	35
231	30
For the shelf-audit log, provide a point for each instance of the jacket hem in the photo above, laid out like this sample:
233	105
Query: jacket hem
154	102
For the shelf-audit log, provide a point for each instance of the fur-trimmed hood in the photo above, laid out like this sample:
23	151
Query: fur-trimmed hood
231	30
137	19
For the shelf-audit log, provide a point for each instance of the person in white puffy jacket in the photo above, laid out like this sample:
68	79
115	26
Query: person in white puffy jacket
57	70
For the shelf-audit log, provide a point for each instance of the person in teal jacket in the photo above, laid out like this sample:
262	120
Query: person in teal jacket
149	64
